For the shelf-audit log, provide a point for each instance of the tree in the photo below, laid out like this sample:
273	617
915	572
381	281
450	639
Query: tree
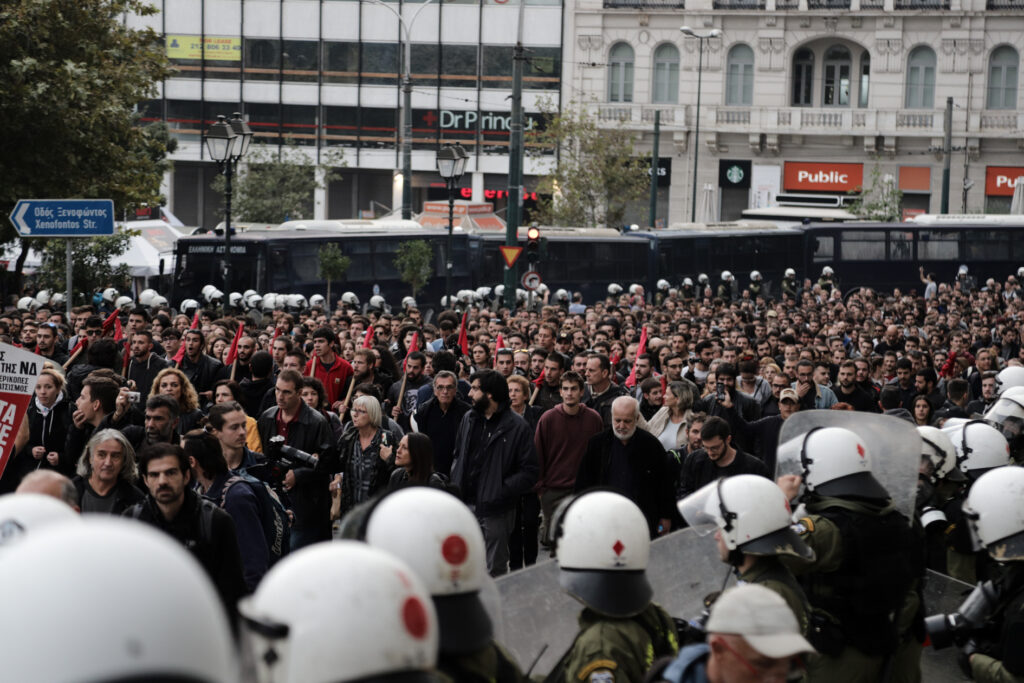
414	263
91	267
333	265
71	76
597	174
275	184
880	200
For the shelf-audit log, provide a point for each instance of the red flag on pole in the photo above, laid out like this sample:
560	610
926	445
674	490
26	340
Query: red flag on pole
277	332
82	342
413	346
118	330
233	351
640	350
368	338
540	378
108	324
498	344
463	337
180	355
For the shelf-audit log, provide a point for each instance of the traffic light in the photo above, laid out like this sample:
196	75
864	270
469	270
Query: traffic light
533	244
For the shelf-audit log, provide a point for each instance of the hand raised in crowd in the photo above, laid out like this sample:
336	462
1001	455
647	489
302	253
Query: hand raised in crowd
122	403
340	407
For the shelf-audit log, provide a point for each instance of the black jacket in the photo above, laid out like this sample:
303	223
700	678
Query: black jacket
208	533
603	403
253	391
698	470
742	405
382	469
651	487
125	494
145	373
441	427
497	455
203	373
50	432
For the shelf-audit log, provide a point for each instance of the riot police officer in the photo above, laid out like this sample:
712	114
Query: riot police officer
756	283
602	544
938	482
827	280
789	284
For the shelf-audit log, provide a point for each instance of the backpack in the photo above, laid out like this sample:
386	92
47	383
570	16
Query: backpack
273	516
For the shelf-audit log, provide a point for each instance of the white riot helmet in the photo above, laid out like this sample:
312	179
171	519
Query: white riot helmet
317	301
377	302
687	282
483	293
440	539
615	289
603	544
703	278
249	292
58	299
1007	415
542	288
938	455
499	291
635	288
297	302
995	510
790	272
408	302
27	303
350	299
153	612
212	295
663	285
1012	376
561	295
269	301
962	270
253	301
755	276
24	513
110	295
123	303
834	462
827	271
1020	272
521	295
979	446
146	297
43	297
189	306
340	611
751	513
726	276
235	299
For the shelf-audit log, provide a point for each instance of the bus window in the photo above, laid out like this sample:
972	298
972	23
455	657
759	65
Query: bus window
901	245
824	248
361	266
863	245
933	245
988	245
384	254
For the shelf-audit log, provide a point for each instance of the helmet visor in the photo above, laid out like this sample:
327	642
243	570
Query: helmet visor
1008	417
702	509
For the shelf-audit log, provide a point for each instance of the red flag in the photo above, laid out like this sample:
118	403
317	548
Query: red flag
180	355
368	338
277	333
640	350
540	378
118	330
108	324
413	346
664	385
614	360
195	322
83	341
233	351
463	338
498	344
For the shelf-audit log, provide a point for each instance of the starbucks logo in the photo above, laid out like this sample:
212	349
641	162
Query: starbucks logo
734	174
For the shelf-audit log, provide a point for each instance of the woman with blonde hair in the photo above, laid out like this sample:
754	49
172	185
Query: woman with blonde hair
174	383
48	418
669	423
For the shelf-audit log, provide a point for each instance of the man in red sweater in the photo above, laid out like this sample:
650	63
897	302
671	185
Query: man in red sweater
561	440
331	369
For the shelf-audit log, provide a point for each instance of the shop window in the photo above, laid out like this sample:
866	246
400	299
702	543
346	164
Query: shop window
262	59
380	63
341	62
543	68
301	60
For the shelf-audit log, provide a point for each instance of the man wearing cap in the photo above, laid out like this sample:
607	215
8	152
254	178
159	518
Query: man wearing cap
752	637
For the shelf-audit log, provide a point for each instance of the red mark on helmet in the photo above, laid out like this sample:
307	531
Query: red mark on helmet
860	450
788	508
414	617
454	549
618	547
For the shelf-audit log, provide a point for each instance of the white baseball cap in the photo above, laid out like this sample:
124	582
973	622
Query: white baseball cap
762	617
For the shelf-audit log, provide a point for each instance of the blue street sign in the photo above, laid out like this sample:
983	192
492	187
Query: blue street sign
63	217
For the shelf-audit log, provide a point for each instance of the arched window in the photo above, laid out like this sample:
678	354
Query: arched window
836	77
666	74
921	78
803	77
620	73
1002	78
739	76
865	80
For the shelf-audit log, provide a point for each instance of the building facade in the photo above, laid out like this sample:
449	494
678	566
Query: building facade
323	80
809	96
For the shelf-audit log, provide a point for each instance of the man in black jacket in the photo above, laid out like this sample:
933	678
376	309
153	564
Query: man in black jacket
495	463
199	525
439	418
632	462
719	458
308	430
200	369
603	392
750	409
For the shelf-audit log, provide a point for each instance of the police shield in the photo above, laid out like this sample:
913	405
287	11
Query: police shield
891	450
540	618
942	595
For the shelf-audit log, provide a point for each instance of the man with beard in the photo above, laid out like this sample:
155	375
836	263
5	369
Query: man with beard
46	338
631	462
718	458
404	404
243	363
144	365
847	390
161	426
364	366
200	369
495	463
549	393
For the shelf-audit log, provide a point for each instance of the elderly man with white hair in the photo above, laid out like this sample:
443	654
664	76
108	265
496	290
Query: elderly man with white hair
632	462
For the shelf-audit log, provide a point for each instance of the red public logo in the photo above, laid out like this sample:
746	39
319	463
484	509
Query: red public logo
818	177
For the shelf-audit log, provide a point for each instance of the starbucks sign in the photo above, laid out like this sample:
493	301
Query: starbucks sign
734	173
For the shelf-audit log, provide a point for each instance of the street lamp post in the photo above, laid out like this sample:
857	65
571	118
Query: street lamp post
713	33
227	142
451	164
406	107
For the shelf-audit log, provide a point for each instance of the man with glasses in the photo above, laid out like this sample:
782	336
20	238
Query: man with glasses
439	416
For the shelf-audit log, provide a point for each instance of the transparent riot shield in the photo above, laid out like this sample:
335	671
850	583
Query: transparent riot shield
942	595
893	446
537	614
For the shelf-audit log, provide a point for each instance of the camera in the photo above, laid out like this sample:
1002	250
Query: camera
134	396
281	458
720	391
958	627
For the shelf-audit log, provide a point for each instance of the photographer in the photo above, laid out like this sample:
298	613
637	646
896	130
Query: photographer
741	405
306	430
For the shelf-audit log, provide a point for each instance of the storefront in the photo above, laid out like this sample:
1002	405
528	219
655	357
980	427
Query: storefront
802	176
999	184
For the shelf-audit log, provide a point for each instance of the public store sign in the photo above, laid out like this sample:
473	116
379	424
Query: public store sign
1000	180
19	372
817	177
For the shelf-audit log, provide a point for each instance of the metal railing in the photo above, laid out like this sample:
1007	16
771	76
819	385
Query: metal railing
739	4
644	4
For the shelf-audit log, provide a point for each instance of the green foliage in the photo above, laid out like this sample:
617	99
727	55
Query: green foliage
879	200
71	75
91	268
275	184
333	265
597	174
414	263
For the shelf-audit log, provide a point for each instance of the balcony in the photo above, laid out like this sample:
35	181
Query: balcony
633	113
828	4
1004	4
739	4
644	4
836	121
920	4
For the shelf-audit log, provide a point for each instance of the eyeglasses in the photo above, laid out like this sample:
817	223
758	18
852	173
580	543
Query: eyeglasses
93	333
359	411
444	387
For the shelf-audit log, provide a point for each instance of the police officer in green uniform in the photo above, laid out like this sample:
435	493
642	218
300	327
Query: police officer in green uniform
724	290
756	283
863	583
751	519
827	281
939	481
789	284
440	539
602	544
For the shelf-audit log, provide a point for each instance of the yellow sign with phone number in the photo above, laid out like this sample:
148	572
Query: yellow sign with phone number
220	48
